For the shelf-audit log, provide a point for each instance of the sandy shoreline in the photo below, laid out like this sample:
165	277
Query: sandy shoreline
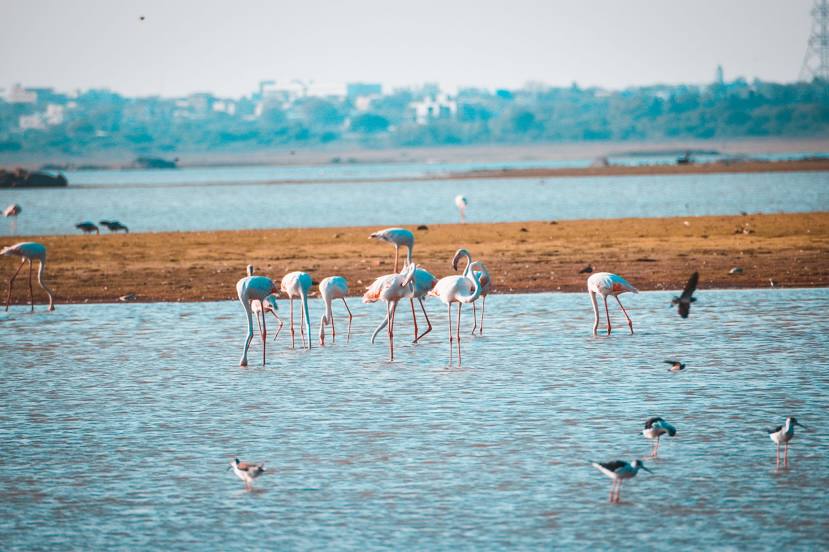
653	253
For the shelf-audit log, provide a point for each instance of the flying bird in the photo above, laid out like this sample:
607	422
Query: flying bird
618	471
684	301
247	471
655	428
12	210
398	237
28	251
676	365
781	435
605	283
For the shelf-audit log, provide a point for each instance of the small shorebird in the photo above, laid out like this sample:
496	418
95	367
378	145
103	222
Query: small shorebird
684	301
458	289
12	210
29	251
460	203
87	227
654	429
296	285
605	283
397	237
114	226
486	285
676	365
247	471
333	287
618	471
782	435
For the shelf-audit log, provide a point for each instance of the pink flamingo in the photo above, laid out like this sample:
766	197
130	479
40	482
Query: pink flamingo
422	283
397	237
486	284
255	289
296	285
605	283
333	287
460	203
460	290
390	288
28	251
268	305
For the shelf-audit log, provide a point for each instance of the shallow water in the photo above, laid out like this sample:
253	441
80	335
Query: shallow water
247	204
118	422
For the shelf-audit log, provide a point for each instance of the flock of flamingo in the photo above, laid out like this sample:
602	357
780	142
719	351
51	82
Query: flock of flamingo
258	296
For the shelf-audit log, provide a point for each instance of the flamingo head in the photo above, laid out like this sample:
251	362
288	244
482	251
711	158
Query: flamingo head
271	302
458	255
408	275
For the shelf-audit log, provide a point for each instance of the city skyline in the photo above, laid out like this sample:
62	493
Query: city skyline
189	48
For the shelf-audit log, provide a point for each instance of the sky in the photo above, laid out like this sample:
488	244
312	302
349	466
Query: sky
224	47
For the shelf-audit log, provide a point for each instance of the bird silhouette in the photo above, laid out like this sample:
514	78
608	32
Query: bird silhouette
684	301
676	365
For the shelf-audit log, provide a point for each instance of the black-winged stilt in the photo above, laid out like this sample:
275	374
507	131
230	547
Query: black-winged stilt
618	471
655	428
781	435
247	471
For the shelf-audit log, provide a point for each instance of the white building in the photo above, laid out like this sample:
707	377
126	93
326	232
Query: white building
439	106
18	94
32	122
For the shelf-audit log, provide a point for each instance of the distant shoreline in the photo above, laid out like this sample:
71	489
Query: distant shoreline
778	250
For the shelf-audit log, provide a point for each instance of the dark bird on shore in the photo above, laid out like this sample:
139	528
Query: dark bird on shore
676	365
684	301
586	270
87	227
141	18
114	226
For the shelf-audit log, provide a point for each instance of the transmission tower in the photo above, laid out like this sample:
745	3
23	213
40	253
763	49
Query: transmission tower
816	61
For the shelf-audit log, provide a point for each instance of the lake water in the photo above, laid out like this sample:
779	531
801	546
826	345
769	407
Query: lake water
118	422
207	200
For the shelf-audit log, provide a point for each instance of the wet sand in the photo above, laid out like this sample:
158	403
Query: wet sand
792	250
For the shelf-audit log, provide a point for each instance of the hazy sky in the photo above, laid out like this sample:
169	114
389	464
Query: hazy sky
228	47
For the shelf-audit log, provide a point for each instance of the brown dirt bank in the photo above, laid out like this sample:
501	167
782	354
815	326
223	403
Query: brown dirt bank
805	165
658	253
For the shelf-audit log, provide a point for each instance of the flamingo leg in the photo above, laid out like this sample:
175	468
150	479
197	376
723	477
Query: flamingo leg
31	292
595	311
348	337
333	330
302	326
451	337
414	318
244	360
264	333
390	308
293	343
279	329
474	318
630	322
483	306
428	323
459	332
607	313
11	281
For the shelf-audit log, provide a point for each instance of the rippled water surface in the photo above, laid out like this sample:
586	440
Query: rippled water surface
118	422
205	200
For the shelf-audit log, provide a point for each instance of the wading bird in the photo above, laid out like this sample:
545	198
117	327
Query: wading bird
782	435
684	301
457	289
398	237
422	283
114	226
605	283
486	285
29	251
87	227
390	288
460	203
654	429
676	365
268	305
333	287
296	285
255	289
247	471
12	210
618	471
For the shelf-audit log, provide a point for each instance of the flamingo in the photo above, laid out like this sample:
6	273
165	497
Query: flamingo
267	305
397	237
457	289
486	285
333	287
87	227
255	289
460	203
422	283
29	251
390	288
605	283
12	210
296	285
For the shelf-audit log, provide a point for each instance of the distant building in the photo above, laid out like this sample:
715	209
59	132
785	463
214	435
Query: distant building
355	90
719	77
439	106
32	122
54	114
18	94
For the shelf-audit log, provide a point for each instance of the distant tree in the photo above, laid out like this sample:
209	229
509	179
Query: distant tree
369	123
